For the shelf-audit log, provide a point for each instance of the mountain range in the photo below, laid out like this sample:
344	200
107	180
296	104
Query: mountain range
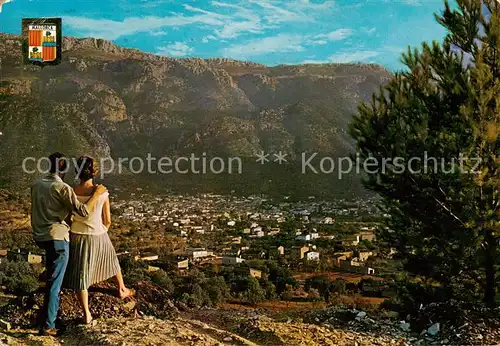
109	101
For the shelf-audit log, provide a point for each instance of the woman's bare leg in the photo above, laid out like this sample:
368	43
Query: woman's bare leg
83	298
123	291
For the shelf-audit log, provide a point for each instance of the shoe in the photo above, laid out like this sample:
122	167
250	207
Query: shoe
48	332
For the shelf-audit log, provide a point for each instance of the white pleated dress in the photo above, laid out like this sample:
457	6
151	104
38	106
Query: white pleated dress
92	257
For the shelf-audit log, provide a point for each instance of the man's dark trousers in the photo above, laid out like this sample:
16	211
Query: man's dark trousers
56	261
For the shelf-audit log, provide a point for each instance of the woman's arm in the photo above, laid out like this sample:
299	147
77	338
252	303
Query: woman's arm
106	214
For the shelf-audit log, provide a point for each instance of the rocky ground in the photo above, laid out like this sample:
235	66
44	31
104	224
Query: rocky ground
153	319
467	327
129	331
180	331
216	327
150	300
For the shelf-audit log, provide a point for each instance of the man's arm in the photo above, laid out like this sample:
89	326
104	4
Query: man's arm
99	190
69	198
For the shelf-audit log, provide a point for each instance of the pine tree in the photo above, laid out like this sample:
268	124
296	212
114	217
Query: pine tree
444	109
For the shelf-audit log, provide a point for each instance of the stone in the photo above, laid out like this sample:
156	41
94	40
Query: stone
130	305
81	66
405	326
4	325
360	315
434	329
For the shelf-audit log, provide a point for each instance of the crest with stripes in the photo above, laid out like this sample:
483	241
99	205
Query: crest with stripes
42	41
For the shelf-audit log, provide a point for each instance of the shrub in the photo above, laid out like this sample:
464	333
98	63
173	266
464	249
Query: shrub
337	286
217	290
313	295
161	278
132	270
135	275
269	288
319	282
254	293
18	277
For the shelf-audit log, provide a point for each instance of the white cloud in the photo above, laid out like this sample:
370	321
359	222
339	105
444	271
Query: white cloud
337	35
369	31
315	62
209	14
111	30
234	29
306	5
159	33
3	2
276	14
240	10
358	56
254	16
281	43
175	49
208	38
346	57
412	2
394	49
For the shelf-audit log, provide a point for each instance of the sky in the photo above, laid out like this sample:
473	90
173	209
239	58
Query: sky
270	32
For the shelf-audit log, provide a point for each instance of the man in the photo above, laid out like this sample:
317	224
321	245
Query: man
52	202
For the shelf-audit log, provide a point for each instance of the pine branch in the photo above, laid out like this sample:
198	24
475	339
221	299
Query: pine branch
449	211
443	205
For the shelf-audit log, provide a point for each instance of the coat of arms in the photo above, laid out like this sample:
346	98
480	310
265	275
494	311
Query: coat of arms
42	41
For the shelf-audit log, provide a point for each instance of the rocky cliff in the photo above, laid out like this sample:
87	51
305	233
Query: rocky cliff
110	101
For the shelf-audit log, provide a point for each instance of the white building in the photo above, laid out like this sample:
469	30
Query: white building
258	234
312	256
197	253
232	260
304	237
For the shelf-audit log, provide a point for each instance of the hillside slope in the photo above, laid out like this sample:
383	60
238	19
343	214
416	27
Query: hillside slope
109	101
149	331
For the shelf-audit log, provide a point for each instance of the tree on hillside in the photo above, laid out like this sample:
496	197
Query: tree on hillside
280	277
444	109
254	293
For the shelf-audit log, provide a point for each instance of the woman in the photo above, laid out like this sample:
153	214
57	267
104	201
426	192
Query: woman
92	256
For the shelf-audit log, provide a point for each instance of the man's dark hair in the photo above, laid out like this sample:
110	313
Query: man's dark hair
58	163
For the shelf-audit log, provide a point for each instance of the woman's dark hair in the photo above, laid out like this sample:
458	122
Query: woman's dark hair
85	168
